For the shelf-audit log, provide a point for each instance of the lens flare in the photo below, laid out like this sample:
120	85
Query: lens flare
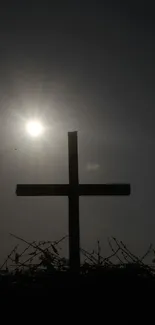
34	128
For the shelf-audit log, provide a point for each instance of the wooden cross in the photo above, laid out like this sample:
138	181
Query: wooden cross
73	190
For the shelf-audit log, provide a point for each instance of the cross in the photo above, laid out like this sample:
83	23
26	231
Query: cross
73	190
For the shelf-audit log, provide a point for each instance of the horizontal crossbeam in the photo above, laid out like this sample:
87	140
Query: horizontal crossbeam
42	190
66	190
104	189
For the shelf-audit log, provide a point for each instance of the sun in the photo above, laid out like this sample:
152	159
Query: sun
34	128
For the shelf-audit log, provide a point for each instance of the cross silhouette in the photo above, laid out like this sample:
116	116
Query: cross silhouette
73	190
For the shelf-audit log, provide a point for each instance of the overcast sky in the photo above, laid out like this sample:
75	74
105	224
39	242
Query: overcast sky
87	67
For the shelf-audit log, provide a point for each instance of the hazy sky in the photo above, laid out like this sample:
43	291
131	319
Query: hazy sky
85	66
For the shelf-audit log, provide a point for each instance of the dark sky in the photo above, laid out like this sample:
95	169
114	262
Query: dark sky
86	66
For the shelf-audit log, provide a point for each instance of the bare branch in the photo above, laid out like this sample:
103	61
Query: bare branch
147	252
8	257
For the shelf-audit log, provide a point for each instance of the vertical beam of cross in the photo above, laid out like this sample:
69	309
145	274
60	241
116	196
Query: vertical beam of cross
74	231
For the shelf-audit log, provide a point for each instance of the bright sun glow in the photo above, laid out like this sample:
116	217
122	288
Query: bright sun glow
34	128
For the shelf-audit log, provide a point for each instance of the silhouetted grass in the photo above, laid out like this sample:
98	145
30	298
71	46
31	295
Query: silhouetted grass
39	265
